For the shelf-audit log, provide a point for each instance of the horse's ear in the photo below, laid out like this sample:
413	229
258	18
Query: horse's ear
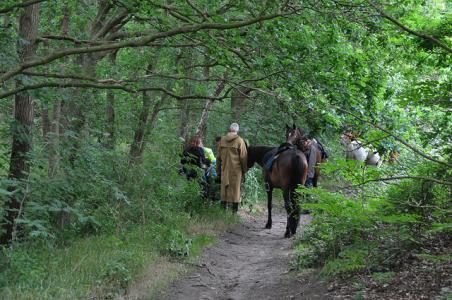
287	127
293	126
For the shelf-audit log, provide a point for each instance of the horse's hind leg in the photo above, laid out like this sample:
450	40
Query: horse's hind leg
288	208
269	207
295	216
316	176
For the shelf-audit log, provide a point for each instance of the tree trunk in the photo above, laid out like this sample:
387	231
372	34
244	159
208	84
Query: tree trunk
53	139
76	109
110	111
155	112
136	148
202	125
184	111
45	122
55	128
22	127
135	155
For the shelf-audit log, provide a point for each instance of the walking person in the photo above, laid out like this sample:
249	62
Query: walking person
232	163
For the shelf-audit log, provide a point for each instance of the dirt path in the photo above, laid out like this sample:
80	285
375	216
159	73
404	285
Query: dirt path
248	262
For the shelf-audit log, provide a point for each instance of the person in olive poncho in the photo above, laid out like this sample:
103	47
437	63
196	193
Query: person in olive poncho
232	162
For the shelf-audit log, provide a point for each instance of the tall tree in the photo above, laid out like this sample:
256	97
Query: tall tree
23	121
110	112
201	129
137	143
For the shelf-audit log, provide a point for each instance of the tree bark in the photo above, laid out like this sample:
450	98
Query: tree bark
22	127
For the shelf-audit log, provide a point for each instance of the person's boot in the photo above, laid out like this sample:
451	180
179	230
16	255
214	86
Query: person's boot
235	208
223	205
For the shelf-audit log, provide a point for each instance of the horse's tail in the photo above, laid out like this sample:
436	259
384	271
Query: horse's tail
300	169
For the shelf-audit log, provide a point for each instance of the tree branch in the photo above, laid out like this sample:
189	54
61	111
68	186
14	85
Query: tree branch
117	81
405	177
20	5
132	43
45	38
111	24
107	86
203	15
70	39
430	38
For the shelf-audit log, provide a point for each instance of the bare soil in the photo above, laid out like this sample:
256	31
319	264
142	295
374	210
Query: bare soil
248	262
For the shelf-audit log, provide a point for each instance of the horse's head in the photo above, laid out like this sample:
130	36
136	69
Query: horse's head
250	159
294	135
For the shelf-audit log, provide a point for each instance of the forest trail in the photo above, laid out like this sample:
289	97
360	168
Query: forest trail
248	262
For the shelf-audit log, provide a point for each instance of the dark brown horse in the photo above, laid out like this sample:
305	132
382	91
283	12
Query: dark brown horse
296	137
288	170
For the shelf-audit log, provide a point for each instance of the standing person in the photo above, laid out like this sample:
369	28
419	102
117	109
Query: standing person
211	160
210	176
310	149
232	159
193	157
217	165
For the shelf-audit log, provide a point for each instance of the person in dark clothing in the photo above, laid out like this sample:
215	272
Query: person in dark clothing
193	157
311	150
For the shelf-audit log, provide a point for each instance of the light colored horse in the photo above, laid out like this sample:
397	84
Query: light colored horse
355	151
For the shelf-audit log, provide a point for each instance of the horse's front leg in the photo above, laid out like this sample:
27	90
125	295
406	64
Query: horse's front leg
269	207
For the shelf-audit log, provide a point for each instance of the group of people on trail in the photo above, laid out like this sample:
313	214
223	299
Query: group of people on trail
228	168
230	165
195	156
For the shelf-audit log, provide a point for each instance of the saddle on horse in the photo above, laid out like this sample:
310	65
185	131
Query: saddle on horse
273	155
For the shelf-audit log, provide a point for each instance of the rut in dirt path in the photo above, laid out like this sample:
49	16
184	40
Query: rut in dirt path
248	262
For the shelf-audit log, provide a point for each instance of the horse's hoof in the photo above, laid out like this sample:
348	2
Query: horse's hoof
268	226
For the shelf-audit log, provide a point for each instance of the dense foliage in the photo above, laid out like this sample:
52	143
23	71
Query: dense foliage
97	97
378	228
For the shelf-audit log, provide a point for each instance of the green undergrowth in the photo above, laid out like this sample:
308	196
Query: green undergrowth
377	227
105	265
